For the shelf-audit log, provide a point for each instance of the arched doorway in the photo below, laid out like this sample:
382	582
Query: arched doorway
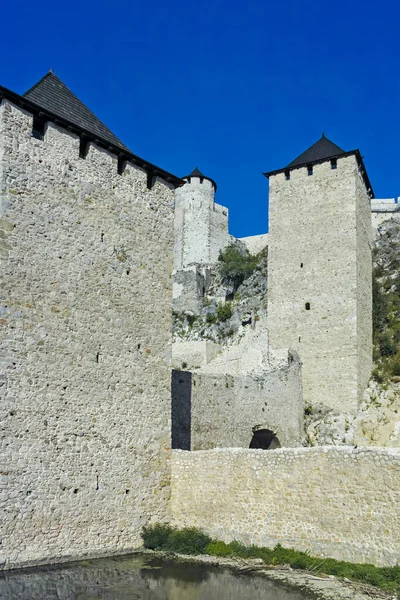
264	439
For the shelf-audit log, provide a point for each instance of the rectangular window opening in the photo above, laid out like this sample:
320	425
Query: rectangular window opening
287	175
308	307
121	165
301	265
83	147
38	127
309	170
150	180
334	163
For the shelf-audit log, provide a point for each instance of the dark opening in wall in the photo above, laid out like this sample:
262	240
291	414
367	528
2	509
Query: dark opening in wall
38	125
229	297
181	409
334	163
287	175
301	265
264	439
308	306
150	179
309	169
83	147
121	165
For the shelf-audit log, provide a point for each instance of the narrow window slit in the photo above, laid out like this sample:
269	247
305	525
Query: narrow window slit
83	147
121	165
38	127
308	307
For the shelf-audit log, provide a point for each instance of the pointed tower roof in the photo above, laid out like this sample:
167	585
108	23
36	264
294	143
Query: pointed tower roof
51	101
53	95
322	149
197	173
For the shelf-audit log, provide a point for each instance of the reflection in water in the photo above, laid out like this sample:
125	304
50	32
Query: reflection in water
138	577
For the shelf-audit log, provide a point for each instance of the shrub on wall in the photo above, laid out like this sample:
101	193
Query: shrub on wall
236	264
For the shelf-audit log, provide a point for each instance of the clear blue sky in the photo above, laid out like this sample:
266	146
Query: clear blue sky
236	88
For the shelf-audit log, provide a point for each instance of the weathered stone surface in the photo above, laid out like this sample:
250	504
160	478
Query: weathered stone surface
85	324
332	501
319	298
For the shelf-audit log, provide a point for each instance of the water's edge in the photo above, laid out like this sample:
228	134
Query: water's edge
329	588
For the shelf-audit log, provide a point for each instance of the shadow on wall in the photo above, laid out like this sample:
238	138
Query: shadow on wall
264	439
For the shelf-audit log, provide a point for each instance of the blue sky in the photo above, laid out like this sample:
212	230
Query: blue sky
235	88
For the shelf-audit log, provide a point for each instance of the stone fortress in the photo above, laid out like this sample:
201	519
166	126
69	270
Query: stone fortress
107	421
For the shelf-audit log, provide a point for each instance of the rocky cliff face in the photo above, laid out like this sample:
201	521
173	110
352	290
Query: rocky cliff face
235	300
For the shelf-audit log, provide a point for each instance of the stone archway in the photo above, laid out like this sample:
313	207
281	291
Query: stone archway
264	439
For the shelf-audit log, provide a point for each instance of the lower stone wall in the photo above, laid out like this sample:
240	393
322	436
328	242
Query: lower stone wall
226	408
339	502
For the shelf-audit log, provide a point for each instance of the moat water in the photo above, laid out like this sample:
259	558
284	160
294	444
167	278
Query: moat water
139	577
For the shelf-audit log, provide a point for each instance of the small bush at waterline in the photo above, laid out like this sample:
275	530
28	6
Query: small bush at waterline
194	541
170	539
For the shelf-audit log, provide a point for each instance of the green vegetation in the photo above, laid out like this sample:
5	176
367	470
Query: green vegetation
386	317
194	541
170	539
237	264
223	313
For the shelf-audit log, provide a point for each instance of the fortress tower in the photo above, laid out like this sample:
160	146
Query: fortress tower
201	231
320	271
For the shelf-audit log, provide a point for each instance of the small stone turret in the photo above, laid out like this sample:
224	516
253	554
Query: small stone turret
197	221
201	232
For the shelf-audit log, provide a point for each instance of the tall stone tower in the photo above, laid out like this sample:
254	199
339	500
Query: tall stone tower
320	280
201	231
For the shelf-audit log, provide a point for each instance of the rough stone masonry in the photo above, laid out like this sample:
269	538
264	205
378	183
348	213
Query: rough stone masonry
85	385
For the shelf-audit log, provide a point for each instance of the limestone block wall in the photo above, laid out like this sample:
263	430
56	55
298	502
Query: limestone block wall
382	210
255	243
364	286
86	320
223	409
318	294
338	502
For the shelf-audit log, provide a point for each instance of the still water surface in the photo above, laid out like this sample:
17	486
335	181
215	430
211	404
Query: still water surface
139	577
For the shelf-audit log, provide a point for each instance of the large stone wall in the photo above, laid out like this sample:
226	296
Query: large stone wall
226	408
316	241
338	502
85	388
383	210
364	286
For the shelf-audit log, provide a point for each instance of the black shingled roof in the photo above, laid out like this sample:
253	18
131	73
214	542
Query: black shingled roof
52	102
322	149
52	94
197	173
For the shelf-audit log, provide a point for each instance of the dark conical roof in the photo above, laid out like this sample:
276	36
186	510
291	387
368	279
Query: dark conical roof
53	95
322	149
197	173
